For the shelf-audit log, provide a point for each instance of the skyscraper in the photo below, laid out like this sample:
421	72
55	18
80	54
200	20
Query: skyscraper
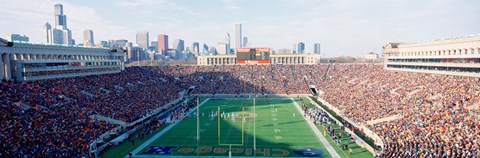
316	48
245	41
294	48
179	45
47	32
60	34
88	38
196	47
227	43
162	43
205	48
301	48
60	19
153	45
221	48
142	39
238	36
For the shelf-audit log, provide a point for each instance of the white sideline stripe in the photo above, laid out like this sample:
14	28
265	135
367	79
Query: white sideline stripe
149	141
319	135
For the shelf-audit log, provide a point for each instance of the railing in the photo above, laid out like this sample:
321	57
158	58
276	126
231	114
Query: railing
33	78
53	68
94	150
368	139
250	95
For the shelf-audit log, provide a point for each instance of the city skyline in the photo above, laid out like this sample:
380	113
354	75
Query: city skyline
342	27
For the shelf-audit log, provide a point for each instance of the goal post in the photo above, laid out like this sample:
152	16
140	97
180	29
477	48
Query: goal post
242	119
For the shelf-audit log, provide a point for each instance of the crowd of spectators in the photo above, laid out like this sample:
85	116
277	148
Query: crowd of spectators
437	114
50	118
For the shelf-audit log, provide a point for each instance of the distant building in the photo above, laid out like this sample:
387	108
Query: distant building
212	51
179	45
189	56
316	48
371	56
101	44
17	37
142	39
60	34
205	48
47	32
172	53
162	43
294	48
283	51
245	42
301	48
135	53
222	48
227	43
120	43
60	19
195	47
88	38
238	36
153	45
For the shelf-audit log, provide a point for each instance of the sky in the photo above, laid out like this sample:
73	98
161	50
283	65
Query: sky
342	27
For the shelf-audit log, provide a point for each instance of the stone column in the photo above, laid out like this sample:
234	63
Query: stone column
7	67
1	66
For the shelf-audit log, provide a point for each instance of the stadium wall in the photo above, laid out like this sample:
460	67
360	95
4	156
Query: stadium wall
459	56
28	61
251	95
285	59
122	135
360	138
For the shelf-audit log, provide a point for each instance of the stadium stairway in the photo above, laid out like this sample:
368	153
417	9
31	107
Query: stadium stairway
108	119
385	119
87	93
105	90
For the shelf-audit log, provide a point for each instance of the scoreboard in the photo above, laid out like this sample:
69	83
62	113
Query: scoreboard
253	56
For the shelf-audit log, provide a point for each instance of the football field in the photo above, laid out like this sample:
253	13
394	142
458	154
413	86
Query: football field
226	126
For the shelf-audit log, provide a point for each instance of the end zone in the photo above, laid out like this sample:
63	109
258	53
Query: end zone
156	136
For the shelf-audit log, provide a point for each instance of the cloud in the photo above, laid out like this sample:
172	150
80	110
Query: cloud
230	5
29	16
155	5
343	27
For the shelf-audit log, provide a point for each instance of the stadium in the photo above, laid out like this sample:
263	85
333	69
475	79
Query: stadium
269	110
64	100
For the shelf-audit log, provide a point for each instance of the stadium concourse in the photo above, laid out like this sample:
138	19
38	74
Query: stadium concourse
50	118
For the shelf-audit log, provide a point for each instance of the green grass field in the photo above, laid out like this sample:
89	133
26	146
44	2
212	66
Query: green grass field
281	131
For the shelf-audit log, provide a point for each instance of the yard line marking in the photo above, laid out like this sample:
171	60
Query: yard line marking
319	135
278	137
156	136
